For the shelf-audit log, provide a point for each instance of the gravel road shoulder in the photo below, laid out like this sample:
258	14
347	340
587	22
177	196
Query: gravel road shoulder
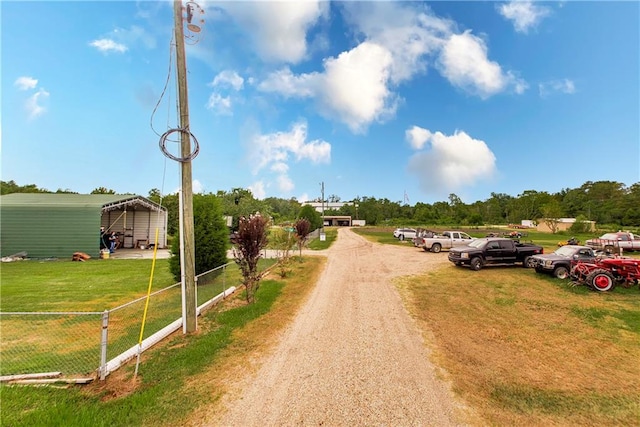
352	355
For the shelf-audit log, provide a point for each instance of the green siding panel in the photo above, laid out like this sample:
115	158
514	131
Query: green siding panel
49	231
57	225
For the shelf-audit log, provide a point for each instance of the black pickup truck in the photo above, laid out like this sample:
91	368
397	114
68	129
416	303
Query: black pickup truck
494	250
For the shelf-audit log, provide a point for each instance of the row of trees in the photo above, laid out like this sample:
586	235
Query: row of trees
605	202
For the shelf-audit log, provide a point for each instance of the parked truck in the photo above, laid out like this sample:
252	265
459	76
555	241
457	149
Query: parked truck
559	263
615	242
445	240
494	250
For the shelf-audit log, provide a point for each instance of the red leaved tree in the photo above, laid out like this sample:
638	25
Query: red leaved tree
303	228
247	251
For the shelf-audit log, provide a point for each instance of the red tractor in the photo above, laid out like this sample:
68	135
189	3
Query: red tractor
604	274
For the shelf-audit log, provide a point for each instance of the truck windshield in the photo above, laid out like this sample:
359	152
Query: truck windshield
479	243
565	251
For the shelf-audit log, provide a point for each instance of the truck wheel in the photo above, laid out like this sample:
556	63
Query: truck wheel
561	272
601	280
437	247
476	264
425	249
528	262
401	237
608	249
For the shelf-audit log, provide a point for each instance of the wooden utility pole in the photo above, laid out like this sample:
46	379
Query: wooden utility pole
188	275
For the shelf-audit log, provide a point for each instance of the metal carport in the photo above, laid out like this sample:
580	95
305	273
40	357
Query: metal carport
49	225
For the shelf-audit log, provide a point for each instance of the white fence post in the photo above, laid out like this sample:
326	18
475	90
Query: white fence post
103	344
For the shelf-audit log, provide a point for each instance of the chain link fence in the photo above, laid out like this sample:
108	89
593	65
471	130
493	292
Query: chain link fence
81	343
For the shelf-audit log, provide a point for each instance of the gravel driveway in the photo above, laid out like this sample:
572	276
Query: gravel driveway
353	355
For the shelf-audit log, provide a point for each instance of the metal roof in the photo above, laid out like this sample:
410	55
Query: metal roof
104	201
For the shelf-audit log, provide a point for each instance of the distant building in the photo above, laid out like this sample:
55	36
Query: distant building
328	205
563	224
336	220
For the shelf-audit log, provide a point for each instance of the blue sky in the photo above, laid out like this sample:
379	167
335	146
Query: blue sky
381	99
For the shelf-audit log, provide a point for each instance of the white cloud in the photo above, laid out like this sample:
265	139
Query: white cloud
228	78
108	45
565	86
285	184
452	162
34	103
285	83
465	64
278	29
274	151
219	104
26	83
197	186
410	33
120	39
280	167
277	147
417	137
304	197
258	190
524	14
357	87
353	88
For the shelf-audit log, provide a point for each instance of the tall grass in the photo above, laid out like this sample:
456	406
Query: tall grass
527	349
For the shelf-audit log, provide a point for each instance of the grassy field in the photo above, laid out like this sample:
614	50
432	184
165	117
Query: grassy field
170	384
94	285
520	347
524	348
71	343
331	234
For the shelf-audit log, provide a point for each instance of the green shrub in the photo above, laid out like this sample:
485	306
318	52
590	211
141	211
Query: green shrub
211	236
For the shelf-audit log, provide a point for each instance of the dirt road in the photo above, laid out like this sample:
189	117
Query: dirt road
353	355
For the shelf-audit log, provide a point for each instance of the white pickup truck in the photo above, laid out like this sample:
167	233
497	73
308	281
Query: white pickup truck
614	242
446	240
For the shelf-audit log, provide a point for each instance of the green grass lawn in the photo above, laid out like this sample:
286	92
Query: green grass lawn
331	234
94	285
157	397
70	343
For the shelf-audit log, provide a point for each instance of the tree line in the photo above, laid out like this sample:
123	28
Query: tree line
609	203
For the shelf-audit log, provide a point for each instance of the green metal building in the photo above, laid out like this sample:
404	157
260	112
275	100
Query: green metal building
57	225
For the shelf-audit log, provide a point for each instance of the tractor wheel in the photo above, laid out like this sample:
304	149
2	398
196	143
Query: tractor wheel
561	272
437	247
475	264
601	280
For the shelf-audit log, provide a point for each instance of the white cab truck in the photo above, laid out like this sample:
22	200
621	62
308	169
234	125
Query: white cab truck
614	242
446	240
